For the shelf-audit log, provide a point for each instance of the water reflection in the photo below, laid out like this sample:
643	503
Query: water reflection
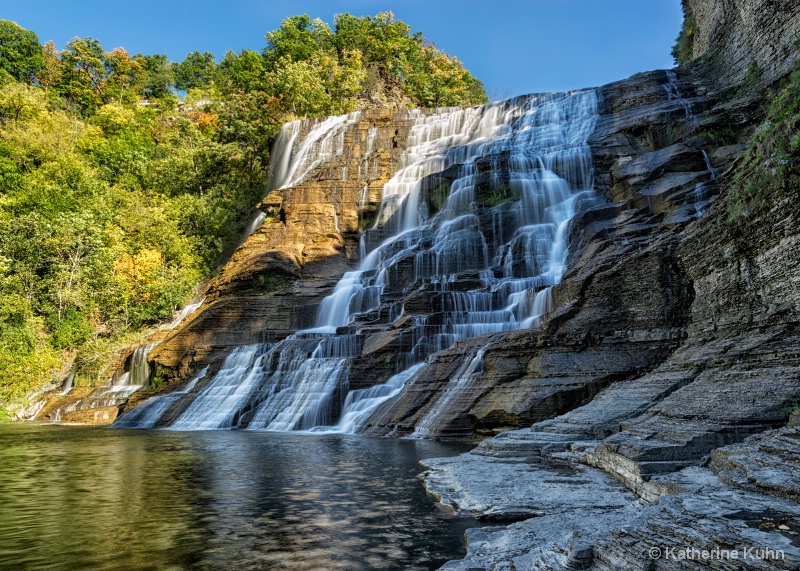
87	498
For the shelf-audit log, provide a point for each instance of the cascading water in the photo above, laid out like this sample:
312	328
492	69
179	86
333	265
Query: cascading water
361	403
221	403
469	370
148	414
184	313
476	217
291	161
117	390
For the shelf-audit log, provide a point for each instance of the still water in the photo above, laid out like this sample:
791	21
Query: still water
77	498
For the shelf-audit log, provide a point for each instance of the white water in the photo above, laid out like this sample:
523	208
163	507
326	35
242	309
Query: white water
540	143
519	171
361	403
149	413
700	197
466	374
117	390
184	313
291	160
69	383
221	403
324	142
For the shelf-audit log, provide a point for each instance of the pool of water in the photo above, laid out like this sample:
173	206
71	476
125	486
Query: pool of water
95	498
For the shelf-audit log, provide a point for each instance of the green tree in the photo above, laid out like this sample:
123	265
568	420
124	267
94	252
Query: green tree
250	121
345	81
84	74
197	70
683	50
21	55
300	85
76	260
50	72
122	72
241	72
20	102
435	79
158	76
298	39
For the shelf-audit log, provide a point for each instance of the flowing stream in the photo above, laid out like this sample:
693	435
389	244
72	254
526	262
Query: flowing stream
477	217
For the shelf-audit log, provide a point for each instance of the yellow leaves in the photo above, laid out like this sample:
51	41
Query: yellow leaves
139	271
206	122
20	102
114	117
125	70
90	139
140	266
44	137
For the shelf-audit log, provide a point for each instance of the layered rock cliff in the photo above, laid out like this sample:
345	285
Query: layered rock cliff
698	456
744	40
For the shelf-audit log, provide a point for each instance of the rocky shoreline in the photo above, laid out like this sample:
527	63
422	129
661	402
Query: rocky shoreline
742	499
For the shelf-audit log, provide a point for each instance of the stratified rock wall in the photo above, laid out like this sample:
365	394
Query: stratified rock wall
732	35
700	435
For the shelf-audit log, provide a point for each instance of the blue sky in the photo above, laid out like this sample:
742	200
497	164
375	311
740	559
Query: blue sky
514	46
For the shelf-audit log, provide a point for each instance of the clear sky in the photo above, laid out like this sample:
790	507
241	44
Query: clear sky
514	46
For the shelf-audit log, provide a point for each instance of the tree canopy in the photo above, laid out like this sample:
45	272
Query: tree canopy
21	55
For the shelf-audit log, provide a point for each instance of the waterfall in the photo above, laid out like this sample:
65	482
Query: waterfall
139	372
467	372
485	243
324	141
149	413
674	94
700	200
183	314
361	403
290	164
528	154
118	389
68	383
301	392
221	403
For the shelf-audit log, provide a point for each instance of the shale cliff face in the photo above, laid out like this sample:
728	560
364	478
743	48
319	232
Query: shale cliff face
734	36
703	432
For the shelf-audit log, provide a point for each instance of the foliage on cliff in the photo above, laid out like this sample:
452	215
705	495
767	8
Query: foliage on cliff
116	198
683	50
767	184
313	70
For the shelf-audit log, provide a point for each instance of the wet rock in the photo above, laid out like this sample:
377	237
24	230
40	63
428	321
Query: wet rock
101	416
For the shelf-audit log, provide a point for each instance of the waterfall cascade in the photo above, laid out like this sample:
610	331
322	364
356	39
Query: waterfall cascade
151	411
117	390
475	221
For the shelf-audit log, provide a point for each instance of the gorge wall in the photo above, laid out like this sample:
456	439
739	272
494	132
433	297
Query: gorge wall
734	37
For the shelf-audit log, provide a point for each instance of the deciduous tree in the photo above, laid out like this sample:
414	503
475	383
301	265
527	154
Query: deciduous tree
21	55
